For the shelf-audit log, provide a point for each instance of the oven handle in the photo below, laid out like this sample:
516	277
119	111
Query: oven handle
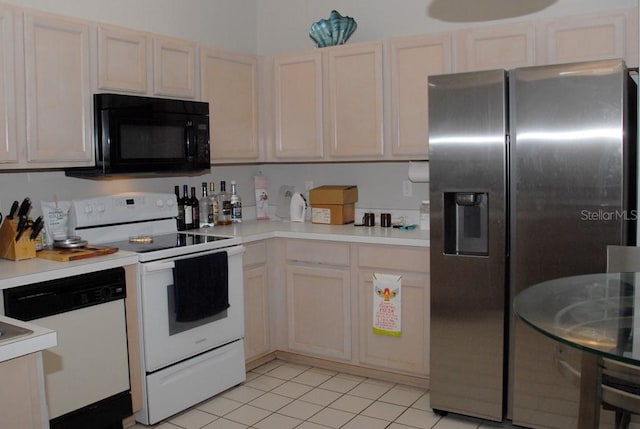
149	267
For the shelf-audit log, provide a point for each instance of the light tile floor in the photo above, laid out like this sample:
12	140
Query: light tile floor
281	395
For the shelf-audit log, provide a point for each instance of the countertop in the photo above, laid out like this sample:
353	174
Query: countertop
17	273
40	339
254	230
34	270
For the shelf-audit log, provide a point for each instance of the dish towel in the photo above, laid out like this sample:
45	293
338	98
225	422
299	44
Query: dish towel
201	286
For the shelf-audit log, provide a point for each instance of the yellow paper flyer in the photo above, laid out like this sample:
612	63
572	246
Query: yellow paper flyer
387	304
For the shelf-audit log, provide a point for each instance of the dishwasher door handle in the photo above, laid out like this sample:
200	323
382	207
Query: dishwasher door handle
158	266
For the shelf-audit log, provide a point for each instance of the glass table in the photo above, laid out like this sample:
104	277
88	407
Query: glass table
593	313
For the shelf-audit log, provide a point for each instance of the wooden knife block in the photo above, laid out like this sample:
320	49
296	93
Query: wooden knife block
25	248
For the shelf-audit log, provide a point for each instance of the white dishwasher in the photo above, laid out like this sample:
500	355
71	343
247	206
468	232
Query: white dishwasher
87	373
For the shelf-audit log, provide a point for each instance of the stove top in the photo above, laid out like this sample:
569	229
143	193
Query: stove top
146	244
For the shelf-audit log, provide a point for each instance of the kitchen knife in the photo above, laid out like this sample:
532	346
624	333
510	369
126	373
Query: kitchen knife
12	211
22	225
25	207
36	227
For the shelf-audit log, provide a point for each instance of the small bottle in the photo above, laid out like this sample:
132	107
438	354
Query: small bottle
224	205
188	209
203	204
195	208
180	218
213	204
236	204
424	215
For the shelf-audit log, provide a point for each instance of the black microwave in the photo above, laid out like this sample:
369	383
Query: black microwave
146	136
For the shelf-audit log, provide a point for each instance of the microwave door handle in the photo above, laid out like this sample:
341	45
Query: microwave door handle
190	140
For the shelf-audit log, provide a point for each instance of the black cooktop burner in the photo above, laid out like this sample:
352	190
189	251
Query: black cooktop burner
167	241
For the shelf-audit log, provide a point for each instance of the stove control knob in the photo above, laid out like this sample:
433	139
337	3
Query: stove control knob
159	203
101	208
88	209
170	203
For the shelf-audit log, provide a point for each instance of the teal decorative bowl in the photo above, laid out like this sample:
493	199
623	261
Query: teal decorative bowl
333	31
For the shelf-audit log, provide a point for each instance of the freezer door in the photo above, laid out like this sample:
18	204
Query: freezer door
467	156
571	197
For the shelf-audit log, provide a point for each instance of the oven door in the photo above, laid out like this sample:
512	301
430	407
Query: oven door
166	340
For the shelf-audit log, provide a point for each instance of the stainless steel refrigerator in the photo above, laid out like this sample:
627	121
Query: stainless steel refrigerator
532	175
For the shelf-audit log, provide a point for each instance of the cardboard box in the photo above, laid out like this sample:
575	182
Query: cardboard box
333	204
334	194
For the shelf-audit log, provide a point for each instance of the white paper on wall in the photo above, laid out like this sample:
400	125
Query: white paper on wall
262	198
387	304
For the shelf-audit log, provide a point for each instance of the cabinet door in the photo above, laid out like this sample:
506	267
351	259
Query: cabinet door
319	311
228	82
354	76
256	308
122	60
409	352
8	143
499	47
412	60
298	107
174	67
594	37
22	395
256	314
58	91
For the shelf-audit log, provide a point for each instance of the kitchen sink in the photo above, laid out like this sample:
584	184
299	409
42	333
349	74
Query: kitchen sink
9	331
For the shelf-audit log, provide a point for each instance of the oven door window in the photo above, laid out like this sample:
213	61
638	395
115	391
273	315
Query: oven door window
176	327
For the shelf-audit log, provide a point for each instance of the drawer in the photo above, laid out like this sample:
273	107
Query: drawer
255	254
394	258
318	252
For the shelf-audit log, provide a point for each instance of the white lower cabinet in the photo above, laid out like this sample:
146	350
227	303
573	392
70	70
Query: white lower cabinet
329	287
409	352
22	397
256	314
318	298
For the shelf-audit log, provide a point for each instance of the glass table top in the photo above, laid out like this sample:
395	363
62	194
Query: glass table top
594	312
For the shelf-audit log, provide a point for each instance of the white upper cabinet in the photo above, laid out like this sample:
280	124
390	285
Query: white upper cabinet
174	67
8	143
412	61
298	106
354	102
495	47
58	91
122	60
591	37
228	84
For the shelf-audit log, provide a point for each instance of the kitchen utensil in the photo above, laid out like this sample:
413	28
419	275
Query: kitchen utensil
25	207
13	210
36	227
298	208
66	255
69	243
22	226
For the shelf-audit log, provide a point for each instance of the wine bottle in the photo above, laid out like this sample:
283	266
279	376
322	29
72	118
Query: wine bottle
195	208
236	204
188	209
213	204
224	205
180	218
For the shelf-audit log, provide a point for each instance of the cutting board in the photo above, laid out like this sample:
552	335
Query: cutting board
66	255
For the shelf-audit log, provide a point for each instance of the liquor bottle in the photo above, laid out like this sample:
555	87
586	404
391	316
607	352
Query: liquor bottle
180	218
236	204
224	205
205	217
188	210
195	208
213	204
